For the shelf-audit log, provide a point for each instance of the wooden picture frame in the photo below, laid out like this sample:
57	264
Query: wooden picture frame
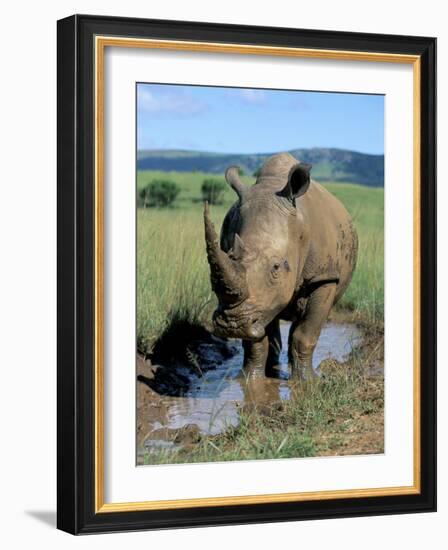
82	40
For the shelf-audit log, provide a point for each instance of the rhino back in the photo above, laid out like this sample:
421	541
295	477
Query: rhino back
333	240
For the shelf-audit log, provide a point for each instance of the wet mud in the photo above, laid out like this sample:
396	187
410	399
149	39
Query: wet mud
201	389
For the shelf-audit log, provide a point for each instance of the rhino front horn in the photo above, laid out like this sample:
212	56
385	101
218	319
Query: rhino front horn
233	179
227	276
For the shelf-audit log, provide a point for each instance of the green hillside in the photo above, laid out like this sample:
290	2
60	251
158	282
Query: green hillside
336	165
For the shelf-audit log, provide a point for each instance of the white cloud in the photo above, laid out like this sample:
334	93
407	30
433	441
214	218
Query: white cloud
170	101
256	97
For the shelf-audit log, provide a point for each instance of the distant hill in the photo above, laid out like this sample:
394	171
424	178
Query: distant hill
328	164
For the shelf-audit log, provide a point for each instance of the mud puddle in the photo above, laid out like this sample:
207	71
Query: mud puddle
202	394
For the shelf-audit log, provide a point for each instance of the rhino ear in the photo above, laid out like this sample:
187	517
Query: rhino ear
298	182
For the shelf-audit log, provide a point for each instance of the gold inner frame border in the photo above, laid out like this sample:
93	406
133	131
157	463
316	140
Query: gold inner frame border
101	42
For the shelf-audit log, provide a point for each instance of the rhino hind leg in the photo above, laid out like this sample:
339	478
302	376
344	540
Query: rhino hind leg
275	347
305	331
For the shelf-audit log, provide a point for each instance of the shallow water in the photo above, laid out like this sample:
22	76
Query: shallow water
212	401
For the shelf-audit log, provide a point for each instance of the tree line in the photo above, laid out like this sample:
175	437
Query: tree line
162	193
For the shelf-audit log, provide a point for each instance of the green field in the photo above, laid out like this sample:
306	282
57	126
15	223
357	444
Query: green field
173	281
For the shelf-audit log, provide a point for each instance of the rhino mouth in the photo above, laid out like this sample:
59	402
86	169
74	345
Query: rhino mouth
227	324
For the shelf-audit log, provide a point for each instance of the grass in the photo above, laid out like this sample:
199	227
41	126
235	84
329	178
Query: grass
340	413
171	273
173	282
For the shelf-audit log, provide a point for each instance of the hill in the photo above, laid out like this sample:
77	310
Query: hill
337	165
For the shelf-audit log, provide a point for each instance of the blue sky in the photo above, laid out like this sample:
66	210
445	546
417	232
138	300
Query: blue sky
237	120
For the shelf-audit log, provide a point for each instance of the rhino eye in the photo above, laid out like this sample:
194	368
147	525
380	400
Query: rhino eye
275	271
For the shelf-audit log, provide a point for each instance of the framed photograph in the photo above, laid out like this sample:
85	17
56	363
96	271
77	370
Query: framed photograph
246	274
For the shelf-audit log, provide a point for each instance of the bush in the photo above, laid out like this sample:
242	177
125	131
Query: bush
213	190
159	193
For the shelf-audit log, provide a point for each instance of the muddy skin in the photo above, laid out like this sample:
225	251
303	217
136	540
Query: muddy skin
287	250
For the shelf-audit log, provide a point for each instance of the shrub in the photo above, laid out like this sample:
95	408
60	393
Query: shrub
213	190
159	193
143	196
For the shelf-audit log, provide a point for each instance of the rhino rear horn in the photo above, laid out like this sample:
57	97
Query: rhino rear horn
238	248
298	182
233	179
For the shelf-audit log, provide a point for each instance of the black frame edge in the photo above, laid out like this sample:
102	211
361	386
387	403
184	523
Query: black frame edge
76	283
428	297
67	493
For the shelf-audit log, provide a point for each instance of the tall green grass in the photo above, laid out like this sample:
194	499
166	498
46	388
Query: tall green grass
172	279
172	273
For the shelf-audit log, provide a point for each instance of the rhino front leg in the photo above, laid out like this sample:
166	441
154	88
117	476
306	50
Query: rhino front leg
262	358
255	356
305	332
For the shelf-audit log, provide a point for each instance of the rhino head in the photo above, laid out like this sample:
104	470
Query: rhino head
255	266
